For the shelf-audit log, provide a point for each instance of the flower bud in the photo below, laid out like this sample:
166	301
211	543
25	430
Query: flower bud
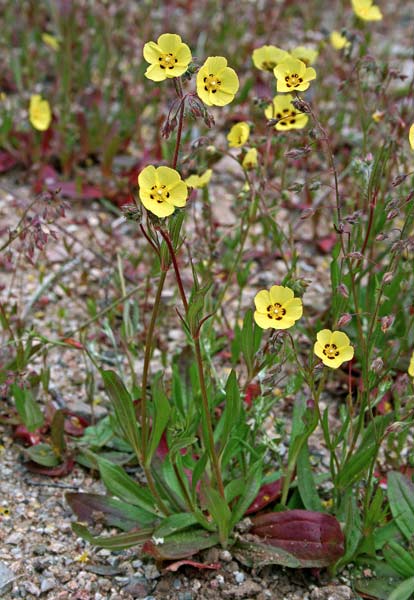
344	320
387	278
377	365
386	323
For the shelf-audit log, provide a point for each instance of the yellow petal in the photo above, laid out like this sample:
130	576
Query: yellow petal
147	177
340	339
411	366
306	55
238	134
262	320
262	300
324	336
280	294
214	64
160	209
250	160
168	176
155	73
169	42
178	194
294	308
151	52
411	136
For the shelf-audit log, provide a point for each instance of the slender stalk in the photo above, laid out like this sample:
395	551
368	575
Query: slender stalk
199	360
147	359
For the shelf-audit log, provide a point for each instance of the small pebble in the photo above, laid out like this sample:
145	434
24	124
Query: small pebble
239	576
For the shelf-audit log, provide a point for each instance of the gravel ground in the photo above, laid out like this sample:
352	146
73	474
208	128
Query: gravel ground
40	556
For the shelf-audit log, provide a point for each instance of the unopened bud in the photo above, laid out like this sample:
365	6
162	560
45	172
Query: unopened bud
344	320
397	180
386	323
380	237
343	290
387	278
377	365
392	214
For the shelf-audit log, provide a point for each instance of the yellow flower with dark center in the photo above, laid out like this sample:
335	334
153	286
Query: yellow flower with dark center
217	83
411	136
161	190
411	366
168	58
238	134
250	159
292	74
339	41
366	10
277	308
199	181
288	116
267	57
333	348
40	114
306	55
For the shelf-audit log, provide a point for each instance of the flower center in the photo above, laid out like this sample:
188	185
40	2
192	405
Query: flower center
330	351
288	117
159	193
275	311
211	83
167	61
293	80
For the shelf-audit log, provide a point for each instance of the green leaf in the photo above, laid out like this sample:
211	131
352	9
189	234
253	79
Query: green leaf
160	418
93	508
251	489
353	527
27	407
384	534
219	510
306	482
404	591
43	454
181	544
124	409
399	559
121	541
401	499
175	523
358	464
231	412
122	486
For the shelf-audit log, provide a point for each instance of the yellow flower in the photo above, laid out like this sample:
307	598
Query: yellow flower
250	159
378	115
238	135
411	136
199	181
161	190
40	114
411	366
50	41
217	83
283	109
168	58
333	348
339	41
267	57
364	9
277	308
293	74
306	55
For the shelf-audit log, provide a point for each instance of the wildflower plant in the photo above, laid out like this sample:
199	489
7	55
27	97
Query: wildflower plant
286	283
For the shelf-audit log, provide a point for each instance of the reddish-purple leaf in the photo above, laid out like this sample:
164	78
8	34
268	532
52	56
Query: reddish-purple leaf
7	161
313	538
60	471
74	424
268	493
30	438
192	563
